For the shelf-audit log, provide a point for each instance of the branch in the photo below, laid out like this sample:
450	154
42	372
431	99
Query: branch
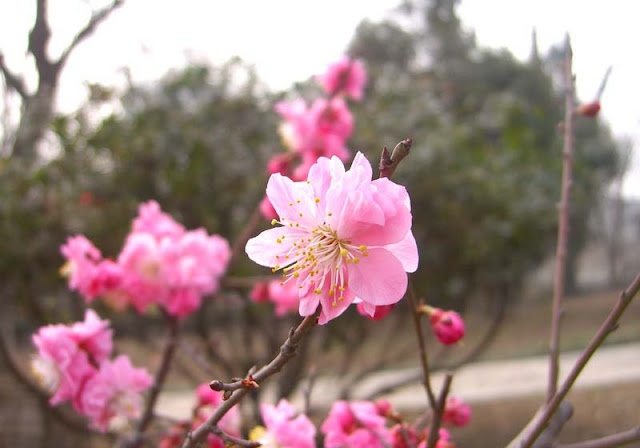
434	429
424	360
233	441
287	351
614	440
161	375
96	19
563	225
608	326
38	42
12	80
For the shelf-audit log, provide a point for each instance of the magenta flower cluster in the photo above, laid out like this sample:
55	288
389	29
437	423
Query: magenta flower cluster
161	264
73	365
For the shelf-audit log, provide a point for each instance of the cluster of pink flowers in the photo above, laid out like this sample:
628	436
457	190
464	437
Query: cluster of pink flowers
73	365
319	130
342	238
376	425
284	428
207	401
161	263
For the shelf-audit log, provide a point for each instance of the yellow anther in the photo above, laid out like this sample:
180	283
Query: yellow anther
341	288
274	221
278	241
282	237
356	260
334	304
297	225
331	292
329	214
281	283
291	224
317	291
290	204
365	254
300	214
340	298
296	274
363	248
298	201
308	181
343	252
317	200
278	257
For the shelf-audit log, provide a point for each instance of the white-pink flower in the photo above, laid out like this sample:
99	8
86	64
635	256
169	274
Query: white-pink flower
355	425
284	429
342	236
115	391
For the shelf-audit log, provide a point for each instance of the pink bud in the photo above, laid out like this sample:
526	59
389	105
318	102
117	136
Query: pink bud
456	412
267	209
588	109
383	407
280	163
448	326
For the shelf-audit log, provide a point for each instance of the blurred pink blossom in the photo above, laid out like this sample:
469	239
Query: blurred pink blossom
115	391
355	425
284	429
344	76
379	313
456	412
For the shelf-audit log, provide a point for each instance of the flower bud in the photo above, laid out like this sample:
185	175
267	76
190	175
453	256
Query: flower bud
448	326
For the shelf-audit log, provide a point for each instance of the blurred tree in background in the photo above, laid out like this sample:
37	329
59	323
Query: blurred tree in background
483	174
484	177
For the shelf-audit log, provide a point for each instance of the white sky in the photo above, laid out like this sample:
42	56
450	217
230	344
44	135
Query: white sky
290	40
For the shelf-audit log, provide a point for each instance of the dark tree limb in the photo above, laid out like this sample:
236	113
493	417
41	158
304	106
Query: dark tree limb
14	82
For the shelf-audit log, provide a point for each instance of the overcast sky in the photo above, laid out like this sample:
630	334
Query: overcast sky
289	40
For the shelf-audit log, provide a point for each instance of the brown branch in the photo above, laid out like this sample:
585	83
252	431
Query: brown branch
608	326
389	162
287	351
233	441
563	225
546	439
434	429
38	42
12	80
614	440
424	360
96	19
158	382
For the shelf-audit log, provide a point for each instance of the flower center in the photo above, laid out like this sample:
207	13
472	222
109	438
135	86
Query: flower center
318	259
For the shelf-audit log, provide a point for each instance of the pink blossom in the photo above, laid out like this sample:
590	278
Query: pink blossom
355	425
403	436
93	336
82	257
260	292
456	412
284	429
284	296
114	392
280	163
342	236
448	326
332	117
379	313
60	366
152	220
344	76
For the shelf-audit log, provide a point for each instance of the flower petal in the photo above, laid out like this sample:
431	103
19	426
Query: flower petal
378	278
293	201
406	251
265	250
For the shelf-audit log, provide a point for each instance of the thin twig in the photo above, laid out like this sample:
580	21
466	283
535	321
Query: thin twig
563	225
434	428
424	360
12	80
608	326
96	19
287	351
614	440
551	431
158	382
233	441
